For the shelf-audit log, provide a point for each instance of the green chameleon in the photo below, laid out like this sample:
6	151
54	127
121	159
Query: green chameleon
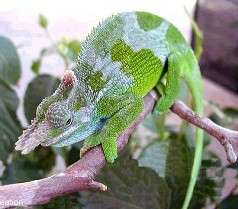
121	61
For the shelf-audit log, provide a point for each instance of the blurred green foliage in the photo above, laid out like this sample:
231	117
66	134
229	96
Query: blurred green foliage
198	36
43	22
10	67
44	85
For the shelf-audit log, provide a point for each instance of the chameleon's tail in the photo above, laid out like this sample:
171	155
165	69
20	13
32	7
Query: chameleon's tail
194	81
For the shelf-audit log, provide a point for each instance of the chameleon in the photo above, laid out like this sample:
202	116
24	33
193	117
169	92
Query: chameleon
126	56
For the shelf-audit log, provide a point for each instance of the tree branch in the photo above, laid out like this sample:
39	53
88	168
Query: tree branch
80	175
225	136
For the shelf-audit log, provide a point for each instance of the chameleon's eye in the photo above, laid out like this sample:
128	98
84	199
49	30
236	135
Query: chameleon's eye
59	116
68	122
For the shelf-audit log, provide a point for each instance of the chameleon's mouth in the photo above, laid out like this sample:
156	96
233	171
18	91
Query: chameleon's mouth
33	136
75	134
38	134
62	137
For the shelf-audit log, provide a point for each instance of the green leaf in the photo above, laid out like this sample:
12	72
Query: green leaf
10	127
129	187
74	46
69	48
171	159
10	67
229	203
178	168
43	22
39	88
155	123
29	167
35	66
198	36
155	156
37	63
65	202
210	182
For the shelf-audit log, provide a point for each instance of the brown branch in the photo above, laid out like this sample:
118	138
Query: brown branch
225	136
80	175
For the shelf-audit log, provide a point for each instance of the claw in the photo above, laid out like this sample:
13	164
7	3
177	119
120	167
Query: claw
83	150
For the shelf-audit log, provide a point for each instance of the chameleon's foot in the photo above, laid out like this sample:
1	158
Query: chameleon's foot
83	150
88	144
109	147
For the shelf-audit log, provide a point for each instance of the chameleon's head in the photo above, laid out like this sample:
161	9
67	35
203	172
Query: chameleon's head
61	119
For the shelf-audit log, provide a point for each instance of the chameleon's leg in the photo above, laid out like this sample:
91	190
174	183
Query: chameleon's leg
109	146
172	86
128	110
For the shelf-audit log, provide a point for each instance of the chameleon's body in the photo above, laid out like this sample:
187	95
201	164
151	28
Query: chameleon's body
121	61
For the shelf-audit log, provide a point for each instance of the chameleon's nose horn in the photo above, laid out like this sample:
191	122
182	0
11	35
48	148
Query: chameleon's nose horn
69	78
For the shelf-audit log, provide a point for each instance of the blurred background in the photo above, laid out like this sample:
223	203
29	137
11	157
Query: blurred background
47	37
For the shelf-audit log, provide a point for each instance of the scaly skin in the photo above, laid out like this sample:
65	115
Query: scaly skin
121	61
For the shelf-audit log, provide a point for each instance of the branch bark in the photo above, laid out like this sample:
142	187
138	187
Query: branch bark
80	175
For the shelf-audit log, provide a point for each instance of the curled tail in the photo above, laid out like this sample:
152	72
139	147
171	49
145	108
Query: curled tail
195	84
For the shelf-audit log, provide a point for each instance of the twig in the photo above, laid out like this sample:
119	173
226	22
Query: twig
225	136
80	175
